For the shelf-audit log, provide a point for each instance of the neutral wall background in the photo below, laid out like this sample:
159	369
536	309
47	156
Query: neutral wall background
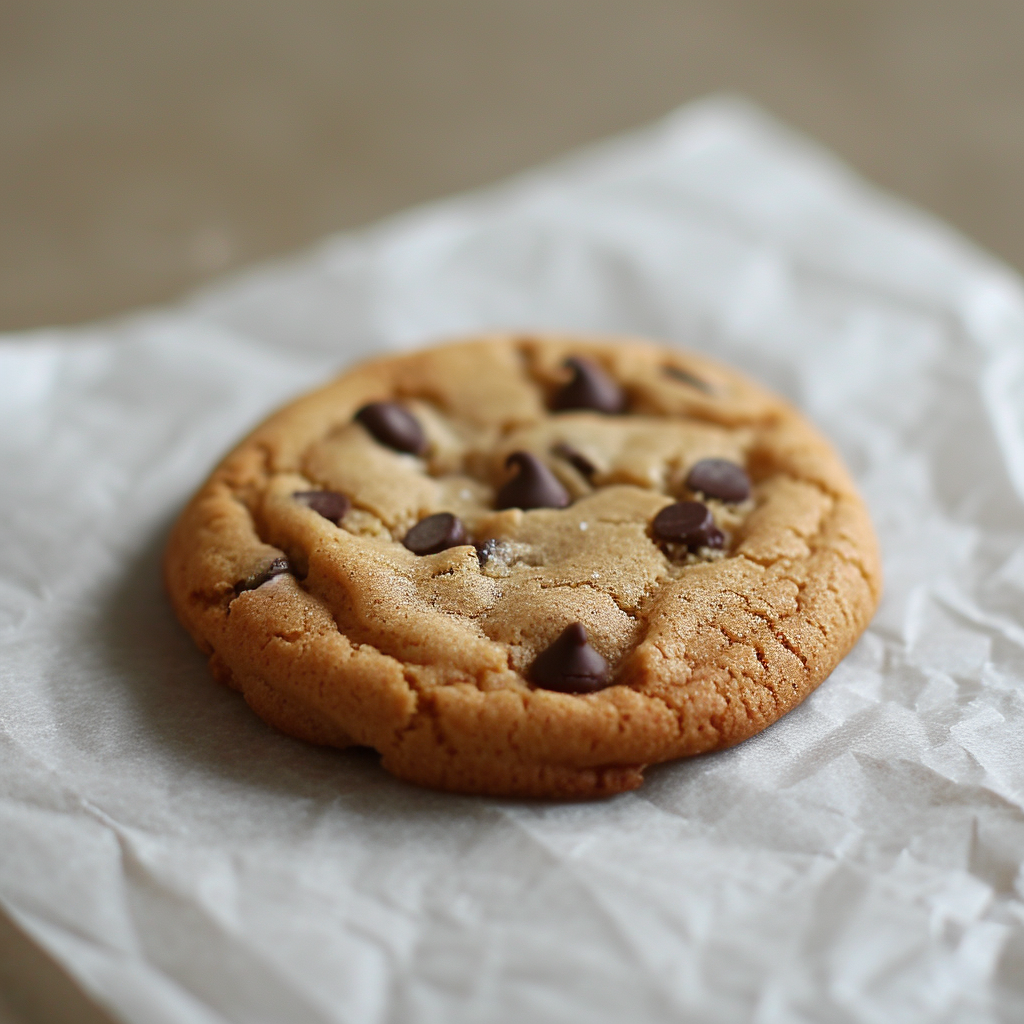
147	147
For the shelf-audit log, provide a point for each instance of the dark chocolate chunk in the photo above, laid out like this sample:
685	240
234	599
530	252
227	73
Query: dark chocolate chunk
534	486
436	533
590	388
719	478
570	664
688	378
576	459
330	504
393	426
689	523
278	567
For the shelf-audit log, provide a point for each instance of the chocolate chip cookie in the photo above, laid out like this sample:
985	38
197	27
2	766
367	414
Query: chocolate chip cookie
527	566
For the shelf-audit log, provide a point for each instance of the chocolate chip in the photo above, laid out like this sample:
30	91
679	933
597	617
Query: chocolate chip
576	459
689	523
278	567
715	538
590	388
688	378
570	664
534	486
393	426
486	551
330	504
719	478
435	533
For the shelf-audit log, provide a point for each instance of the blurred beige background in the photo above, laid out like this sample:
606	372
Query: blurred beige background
146	147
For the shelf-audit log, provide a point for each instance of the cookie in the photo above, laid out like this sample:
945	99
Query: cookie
527	566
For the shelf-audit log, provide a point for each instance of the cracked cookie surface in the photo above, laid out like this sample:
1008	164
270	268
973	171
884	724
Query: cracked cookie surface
385	561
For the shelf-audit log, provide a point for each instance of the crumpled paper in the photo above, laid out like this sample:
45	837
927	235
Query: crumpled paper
858	862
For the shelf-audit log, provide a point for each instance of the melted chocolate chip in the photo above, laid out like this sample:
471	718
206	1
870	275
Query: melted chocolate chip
719	478
688	378
393	426
689	523
534	486
330	504
278	567
590	388
576	459
435	533
570	664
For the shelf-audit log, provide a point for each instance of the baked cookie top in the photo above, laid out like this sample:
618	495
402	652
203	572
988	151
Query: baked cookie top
526	565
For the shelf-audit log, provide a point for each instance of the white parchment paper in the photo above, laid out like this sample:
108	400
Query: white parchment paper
858	862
